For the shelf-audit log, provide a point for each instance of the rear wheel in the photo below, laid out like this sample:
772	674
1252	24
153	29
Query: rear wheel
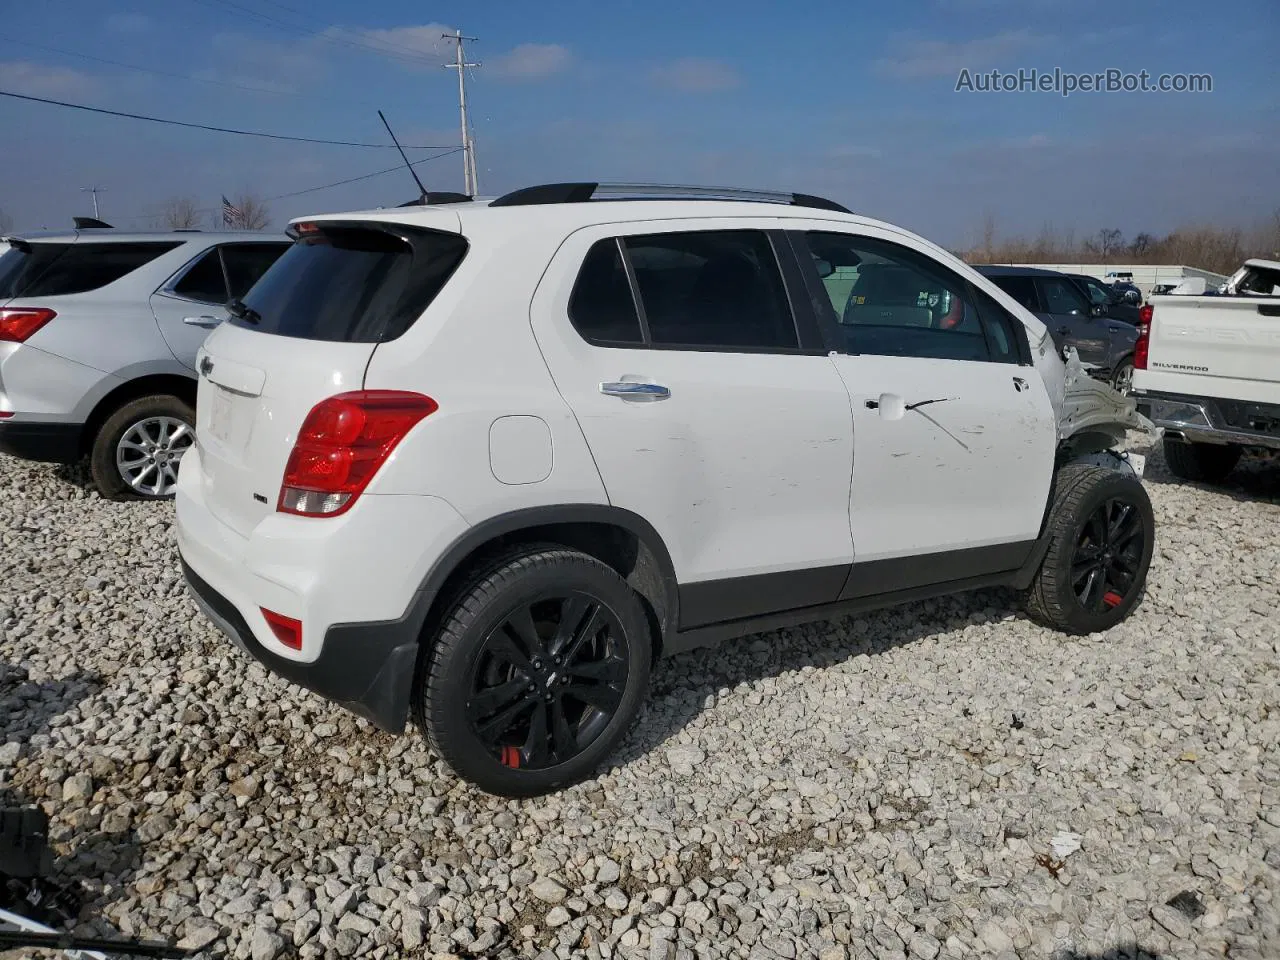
1122	378
1102	534
1200	462
136	452
538	670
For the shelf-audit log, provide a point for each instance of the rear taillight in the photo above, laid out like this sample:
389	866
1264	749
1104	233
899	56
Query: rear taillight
287	630
1142	346
342	443
19	323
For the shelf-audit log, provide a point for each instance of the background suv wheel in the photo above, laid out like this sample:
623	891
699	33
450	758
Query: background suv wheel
1200	462
537	672
136	452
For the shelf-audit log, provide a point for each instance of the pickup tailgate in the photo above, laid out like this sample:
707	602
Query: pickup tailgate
1215	346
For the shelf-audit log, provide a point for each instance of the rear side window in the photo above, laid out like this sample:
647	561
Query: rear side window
204	281
356	284
601	307
1022	289
247	262
58	269
715	289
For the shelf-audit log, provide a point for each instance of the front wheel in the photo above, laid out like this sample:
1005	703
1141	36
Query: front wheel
136	452
536	673
1101	537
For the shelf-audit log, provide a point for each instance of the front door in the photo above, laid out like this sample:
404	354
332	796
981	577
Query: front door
1067	312
954	435
709	413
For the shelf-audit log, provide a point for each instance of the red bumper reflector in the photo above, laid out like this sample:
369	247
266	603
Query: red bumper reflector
287	630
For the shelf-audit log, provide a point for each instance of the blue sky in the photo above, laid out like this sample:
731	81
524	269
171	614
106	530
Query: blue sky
853	100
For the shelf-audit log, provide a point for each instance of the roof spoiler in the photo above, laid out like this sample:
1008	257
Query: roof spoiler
91	223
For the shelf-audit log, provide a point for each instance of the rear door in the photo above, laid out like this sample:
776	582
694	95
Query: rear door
308	331
709	411
954	434
193	302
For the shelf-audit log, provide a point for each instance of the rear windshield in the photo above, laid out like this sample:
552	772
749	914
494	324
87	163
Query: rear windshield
356	284
58	269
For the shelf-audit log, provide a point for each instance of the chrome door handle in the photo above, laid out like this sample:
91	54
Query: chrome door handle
635	391
202	321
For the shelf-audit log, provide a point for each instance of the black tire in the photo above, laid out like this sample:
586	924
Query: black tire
1122	376
1092	506
108	475
1200	462
483	671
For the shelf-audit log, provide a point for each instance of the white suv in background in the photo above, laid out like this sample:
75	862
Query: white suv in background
99	330
484	461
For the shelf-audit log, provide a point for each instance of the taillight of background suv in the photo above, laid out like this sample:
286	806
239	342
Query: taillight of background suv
17	324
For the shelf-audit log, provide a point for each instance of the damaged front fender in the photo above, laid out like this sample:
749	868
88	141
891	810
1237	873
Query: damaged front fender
1094	417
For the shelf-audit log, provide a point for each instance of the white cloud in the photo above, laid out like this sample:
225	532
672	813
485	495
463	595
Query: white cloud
128	23
41	80
696	75
914	57
531	61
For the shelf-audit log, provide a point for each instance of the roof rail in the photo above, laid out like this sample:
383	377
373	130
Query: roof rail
438	196
582	192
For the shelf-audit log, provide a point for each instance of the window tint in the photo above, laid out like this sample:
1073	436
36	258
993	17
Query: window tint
1022	289
204	281
352	284
712	289
601	307
54	270
247	262
22	262
892	301
1061	296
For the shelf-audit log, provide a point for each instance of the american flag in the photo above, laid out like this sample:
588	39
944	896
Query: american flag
232	216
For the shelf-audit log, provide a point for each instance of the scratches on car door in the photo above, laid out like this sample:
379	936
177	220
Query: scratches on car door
922	403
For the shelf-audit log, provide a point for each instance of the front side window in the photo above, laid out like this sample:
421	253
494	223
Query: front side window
892	301
716	289
1062	297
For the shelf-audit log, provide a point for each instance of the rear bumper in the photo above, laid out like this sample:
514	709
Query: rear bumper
1211	419
47	442
366	668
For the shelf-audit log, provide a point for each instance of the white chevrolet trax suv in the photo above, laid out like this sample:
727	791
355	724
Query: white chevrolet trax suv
482	462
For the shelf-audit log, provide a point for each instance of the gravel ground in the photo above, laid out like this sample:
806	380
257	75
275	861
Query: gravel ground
886	786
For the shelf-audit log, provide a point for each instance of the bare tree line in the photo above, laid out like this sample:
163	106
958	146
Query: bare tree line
184	213
1219	249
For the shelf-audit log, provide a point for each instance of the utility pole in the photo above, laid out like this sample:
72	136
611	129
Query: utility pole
95	191
471	181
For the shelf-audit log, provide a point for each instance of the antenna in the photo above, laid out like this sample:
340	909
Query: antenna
412	172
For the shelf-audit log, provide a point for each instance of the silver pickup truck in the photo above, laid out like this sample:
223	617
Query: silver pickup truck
1207	371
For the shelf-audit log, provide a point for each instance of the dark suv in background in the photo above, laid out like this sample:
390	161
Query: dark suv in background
1104	342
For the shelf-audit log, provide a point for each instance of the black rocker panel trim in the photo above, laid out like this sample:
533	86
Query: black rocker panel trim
713	601
907	573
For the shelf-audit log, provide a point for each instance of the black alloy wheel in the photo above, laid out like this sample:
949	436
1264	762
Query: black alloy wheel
548	681
1108	556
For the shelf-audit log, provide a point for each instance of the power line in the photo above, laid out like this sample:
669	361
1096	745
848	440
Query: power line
204	126
323	186
159	73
